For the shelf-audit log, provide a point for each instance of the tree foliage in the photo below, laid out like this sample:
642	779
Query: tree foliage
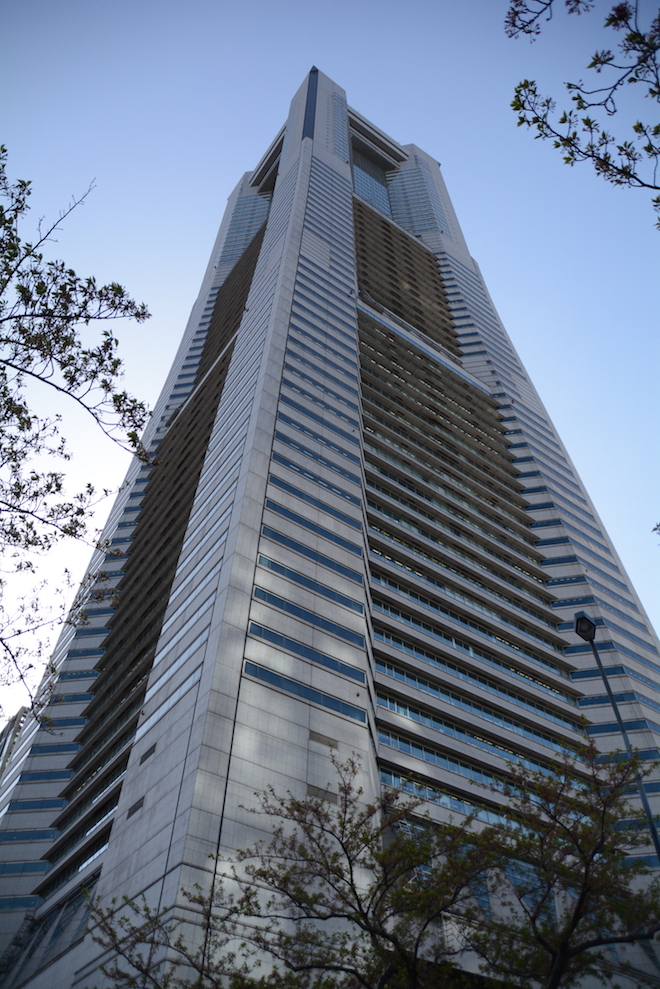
53	339
358	895
566	894
581	132
347	895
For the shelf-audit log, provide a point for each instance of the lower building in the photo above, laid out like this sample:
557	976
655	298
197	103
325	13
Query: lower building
360	533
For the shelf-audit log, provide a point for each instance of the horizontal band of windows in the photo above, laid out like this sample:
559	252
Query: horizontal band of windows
178	663
530	431
613	728
82	653
195	534
320	385
612	671
341	293
609	646
54	748
311	554
306	652
306	693
409	485
535	417
439	663
543	489
460	734
44	775
64	723
309	616
568	540
329	341
537	473
342	306
315	400
343	274
441	635
581	579
70	698
312	585
349	437
446	564
435	796
33	834
169	703
557	561
546	505
321	358
316	479
318	530
449	762
545	459
23	868
289	441
194	572
82	633
201	610
606	623
473	603
182	607
471	707
315	367
316	502
383	453
20	902
297	318
318	438
551	523
46	803
435	604
597	700
591	599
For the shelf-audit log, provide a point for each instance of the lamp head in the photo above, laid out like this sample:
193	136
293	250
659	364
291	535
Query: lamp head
585	627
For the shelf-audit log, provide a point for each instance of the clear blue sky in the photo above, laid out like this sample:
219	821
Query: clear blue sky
165	104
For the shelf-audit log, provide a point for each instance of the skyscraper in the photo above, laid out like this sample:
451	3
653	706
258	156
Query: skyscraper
360	533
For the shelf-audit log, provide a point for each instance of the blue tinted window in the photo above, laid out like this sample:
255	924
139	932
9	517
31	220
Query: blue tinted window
36	834
328	485
57	747
46	804
41	776
321	420
317	457
312	585
307	693
371	182
313	527
316	502
300	649
308	616
325	561
23	868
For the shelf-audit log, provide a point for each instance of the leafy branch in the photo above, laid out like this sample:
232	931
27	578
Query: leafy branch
54	337
577	132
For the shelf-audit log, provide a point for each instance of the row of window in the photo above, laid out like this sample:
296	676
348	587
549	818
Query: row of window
307	693
303	550
499	690
311	585
471	706
310	617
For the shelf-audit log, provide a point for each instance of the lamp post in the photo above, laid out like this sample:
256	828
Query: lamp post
585	627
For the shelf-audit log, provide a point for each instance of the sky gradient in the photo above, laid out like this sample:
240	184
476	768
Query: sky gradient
165	105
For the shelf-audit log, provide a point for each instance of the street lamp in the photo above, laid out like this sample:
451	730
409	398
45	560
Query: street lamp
585	627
